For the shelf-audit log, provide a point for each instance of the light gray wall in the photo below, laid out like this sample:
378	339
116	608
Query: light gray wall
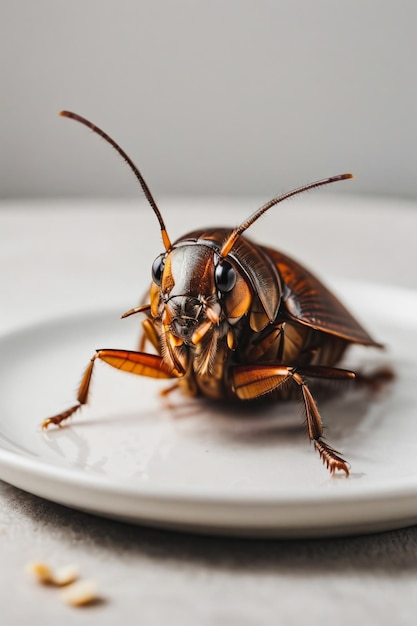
214	97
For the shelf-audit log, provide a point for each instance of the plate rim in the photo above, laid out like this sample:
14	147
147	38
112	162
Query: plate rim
398	490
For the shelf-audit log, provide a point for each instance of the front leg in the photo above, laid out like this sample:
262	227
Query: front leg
139	363
254	381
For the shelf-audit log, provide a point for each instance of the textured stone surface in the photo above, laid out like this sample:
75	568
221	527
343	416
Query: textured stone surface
150	576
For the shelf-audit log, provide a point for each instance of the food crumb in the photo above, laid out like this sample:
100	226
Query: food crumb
75	592
66	575
80	593
45	575
41	571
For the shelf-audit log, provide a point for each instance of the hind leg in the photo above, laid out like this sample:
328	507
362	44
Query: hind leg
254	381
377	379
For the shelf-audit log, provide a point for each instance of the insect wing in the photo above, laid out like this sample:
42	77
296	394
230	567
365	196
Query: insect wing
309	302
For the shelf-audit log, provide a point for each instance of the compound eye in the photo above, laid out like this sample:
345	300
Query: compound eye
158	268
225	277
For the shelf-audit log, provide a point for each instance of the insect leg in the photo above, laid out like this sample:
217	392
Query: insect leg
166	393
139	363
374	380
330	457
377	379
253	381
149	334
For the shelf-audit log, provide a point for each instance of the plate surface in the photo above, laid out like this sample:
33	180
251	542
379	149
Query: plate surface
201	466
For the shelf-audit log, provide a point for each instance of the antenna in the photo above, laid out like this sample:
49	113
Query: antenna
235	234
132	166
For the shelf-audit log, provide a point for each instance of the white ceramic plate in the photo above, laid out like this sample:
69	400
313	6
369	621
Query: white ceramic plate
204	467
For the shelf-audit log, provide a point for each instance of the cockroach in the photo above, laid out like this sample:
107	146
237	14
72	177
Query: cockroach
234	320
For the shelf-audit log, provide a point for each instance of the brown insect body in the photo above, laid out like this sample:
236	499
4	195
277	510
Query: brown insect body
231	319
266	315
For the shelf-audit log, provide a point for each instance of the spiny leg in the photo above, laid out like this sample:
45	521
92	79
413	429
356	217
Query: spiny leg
253	381
82	397
330	457
139	363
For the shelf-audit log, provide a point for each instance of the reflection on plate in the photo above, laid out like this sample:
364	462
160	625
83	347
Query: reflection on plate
203	467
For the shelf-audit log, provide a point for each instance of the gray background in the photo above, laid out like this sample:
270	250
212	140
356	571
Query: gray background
215	98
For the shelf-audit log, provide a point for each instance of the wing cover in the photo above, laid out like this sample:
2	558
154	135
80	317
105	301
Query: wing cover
309	302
